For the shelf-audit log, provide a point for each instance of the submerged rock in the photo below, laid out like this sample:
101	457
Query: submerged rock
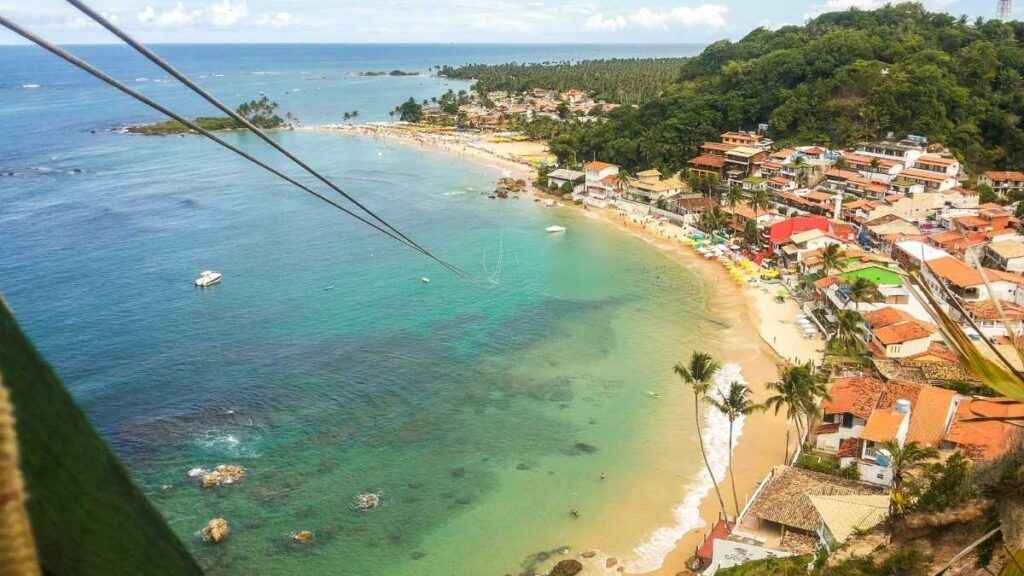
366	501
223	474
584	448
568	567
302	537
216	530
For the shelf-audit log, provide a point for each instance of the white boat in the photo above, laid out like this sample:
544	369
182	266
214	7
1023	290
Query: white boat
30	86
425	280
549	203
208	278
554	229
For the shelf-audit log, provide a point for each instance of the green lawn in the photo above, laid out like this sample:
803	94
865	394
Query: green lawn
880	275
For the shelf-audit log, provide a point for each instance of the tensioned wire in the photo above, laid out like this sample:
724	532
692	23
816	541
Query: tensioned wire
386	229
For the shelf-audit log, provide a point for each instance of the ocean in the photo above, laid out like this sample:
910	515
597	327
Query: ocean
482	413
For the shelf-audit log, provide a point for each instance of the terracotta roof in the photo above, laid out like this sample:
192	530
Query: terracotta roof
708	160
985	440
780	232
923	175
785	499
986	310
882	426
597	165
886	317
720	146
971	221
1000	276
955	272
903	332
1005	176
929	415
841	174
857	396
936	160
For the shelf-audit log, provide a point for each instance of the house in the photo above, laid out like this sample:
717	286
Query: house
783	517
1006	255
906	151
967	283
743	213
843	516
602	178
865	413
747	139
872	167
562	177
930	180
994	319
939	164
781	232
886	229
912	254
988	439
707	165
716	148
897	334
1003	183
742	161
649	187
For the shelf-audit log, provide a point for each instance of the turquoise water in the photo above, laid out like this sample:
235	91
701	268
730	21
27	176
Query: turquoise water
481	412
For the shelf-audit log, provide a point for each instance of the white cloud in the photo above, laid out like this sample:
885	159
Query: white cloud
276	20
147	15
227	14
600	22
704	15
177	17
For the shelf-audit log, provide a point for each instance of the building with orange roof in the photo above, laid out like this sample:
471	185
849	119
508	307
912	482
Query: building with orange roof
988	439
902	339
1003	183
707	165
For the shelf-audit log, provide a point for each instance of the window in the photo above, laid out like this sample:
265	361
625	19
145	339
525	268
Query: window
847	420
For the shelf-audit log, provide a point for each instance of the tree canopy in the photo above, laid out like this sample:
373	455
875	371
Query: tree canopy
841	78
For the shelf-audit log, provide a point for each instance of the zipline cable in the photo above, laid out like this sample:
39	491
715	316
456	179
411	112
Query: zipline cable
167	67
89	68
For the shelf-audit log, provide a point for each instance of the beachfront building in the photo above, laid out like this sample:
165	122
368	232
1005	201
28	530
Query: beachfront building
562	178
844	516
601	181
897	334
650	188
742	162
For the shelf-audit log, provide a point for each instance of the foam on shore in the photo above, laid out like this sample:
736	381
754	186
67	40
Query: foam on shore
651	553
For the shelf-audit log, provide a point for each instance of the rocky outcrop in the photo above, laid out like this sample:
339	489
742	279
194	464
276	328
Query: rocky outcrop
568	567
216	530
366	501
303	537
221	475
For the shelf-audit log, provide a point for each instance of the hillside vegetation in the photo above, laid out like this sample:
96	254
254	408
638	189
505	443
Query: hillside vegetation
620	80
842	77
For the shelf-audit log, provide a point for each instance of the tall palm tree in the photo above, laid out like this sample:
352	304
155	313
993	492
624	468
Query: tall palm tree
697	375
713	219
906	460
831	258
798	390
861	290
850	330
758	201
734	405
733	196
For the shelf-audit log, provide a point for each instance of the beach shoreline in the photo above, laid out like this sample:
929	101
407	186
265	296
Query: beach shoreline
762	336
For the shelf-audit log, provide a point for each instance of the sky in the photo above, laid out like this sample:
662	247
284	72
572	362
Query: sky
527	21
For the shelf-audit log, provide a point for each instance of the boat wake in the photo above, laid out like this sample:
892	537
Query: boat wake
651	553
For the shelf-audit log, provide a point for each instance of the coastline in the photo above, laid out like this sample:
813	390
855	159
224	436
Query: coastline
761	337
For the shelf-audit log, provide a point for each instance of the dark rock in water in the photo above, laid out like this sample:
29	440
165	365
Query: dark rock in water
415	485
458	472
610	562
417	555
464	501
589	554
568	567
584	448
522	466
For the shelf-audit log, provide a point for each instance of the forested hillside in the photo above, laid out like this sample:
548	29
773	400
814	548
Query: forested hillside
842	77
620	80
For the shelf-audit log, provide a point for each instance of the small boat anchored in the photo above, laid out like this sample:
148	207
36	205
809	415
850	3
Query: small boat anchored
425	280
555	229
208	278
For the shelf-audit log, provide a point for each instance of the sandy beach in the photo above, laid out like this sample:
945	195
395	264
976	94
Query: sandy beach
762	336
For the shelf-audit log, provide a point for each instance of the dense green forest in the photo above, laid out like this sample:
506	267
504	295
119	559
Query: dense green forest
620	80
842	77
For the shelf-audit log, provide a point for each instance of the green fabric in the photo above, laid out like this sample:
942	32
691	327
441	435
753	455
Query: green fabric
88	517
877	274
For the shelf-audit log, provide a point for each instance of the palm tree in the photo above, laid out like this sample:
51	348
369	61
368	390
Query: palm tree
862	289
798	390
758	201
734	405
698	377
733	196
713	219
801	171
850	330
906	460
831	258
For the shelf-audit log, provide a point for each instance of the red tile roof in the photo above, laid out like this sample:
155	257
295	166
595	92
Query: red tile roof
985	440
955	271
781	231
903	332
886	317
708	160
597	165
857	396
882	425
1005	176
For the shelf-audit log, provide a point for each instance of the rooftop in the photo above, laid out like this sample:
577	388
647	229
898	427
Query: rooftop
786	499
883	425
985	440
1007	248
845	515
857	396
903	332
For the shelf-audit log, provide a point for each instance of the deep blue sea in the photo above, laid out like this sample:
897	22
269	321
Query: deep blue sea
480	412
